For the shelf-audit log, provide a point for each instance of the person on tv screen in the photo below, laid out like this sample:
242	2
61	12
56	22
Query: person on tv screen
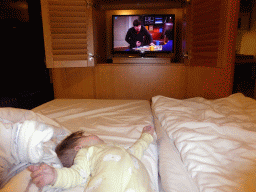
135	35
168	38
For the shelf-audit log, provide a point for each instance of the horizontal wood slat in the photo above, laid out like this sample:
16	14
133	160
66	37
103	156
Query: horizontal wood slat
68	46
68	30
68	19
203	31
201	61
69	41
68	25
211	21
205	51
68	8
69	36
69	57
68	3
70	52
66	14
207	19
206	42
206	4
214	27
205	55
207	36
208	11
211	51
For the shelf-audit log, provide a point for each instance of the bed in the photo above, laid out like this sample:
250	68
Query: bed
30	136
206	145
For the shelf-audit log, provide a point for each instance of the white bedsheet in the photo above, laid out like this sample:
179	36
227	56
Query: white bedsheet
118	121
215	141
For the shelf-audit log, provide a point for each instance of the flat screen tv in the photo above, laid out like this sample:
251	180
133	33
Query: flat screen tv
143	35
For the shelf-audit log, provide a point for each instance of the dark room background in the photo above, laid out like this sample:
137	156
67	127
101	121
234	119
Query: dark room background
25	81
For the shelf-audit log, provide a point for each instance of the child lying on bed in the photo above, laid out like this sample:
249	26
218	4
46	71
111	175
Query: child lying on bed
91	163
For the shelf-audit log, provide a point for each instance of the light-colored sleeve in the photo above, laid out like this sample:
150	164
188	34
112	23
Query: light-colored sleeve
78	174
138	148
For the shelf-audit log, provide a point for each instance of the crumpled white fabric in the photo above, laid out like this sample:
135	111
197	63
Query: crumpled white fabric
42	135
30	138
216	140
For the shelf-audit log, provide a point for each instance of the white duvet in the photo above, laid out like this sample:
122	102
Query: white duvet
26	138
215	140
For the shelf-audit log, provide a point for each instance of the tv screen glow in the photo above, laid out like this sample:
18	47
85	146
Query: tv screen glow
159	27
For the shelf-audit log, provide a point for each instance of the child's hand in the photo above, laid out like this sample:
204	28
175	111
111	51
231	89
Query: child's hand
148	129
42	175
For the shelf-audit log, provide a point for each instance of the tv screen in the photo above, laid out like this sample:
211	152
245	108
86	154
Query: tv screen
143	34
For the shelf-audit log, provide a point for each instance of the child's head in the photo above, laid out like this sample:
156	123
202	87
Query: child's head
68	148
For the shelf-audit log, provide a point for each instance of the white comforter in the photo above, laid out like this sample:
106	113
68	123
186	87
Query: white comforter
216	140
26	138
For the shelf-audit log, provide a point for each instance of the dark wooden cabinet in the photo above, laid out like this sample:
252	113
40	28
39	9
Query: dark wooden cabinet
245	75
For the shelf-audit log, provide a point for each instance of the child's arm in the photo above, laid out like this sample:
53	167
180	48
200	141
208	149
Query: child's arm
78	174
138	148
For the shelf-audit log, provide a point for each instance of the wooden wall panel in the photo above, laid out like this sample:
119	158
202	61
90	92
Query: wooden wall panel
140	81
208	82
108	81
75	83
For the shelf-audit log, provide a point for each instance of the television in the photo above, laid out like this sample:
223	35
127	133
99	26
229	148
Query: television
155	36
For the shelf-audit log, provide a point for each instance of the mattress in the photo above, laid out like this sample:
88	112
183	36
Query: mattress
119	121
206	145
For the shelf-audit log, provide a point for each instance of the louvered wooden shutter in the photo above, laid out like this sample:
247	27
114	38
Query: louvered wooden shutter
211	37
68	36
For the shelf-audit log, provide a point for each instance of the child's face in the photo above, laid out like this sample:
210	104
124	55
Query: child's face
90	140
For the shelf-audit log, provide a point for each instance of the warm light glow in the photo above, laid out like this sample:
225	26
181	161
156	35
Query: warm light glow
248	43
126	12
